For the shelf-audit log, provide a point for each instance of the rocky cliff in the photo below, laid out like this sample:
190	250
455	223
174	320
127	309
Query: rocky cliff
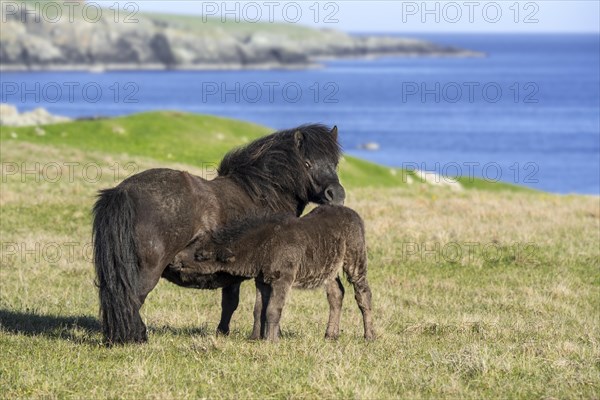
9	115
31	40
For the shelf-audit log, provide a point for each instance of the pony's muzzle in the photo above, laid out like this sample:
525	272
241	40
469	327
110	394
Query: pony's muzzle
335	194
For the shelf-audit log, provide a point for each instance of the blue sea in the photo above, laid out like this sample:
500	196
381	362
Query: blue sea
527	113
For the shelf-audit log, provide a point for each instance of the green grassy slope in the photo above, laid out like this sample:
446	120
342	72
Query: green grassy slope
515	317
477	294
195	140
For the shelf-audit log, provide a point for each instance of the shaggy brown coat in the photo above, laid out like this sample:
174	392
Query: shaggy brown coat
141	224
283	252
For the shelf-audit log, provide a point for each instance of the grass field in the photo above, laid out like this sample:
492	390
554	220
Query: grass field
492	291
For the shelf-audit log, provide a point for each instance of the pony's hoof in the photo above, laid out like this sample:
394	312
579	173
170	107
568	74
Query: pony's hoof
222	332
332	336
142	339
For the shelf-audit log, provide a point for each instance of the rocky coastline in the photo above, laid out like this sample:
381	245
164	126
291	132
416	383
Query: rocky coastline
158	43
10	116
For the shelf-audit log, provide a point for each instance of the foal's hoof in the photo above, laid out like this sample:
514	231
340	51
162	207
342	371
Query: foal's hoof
332	336
370	337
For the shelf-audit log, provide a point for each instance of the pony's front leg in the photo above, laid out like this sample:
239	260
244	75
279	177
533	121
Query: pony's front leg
263	293
335	297
279	291
230	299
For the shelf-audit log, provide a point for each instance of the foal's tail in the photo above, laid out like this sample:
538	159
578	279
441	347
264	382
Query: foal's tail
116	262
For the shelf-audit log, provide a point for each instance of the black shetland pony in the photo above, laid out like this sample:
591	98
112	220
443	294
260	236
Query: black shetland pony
144	222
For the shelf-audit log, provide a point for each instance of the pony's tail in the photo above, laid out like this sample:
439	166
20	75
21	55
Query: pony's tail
116	263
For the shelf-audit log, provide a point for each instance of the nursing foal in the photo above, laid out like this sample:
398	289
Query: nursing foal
282	252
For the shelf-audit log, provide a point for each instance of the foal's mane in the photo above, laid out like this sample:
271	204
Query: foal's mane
271	169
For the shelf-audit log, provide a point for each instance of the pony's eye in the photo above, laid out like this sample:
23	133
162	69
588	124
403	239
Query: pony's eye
307	164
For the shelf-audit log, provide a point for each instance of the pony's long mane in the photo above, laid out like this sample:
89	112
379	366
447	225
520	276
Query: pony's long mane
271	169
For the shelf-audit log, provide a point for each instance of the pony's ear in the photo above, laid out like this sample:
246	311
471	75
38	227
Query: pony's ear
334	133
298	138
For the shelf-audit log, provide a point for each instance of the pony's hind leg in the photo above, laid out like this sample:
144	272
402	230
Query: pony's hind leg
335	296
230	299
148	279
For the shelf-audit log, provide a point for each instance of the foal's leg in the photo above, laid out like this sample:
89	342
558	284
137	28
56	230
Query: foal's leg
263	293
279	291
362	294
230	299
257	313
335	296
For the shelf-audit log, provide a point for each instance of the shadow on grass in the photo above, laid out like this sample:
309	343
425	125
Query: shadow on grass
79	329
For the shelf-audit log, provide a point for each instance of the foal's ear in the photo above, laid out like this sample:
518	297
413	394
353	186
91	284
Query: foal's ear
298	138
334	133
